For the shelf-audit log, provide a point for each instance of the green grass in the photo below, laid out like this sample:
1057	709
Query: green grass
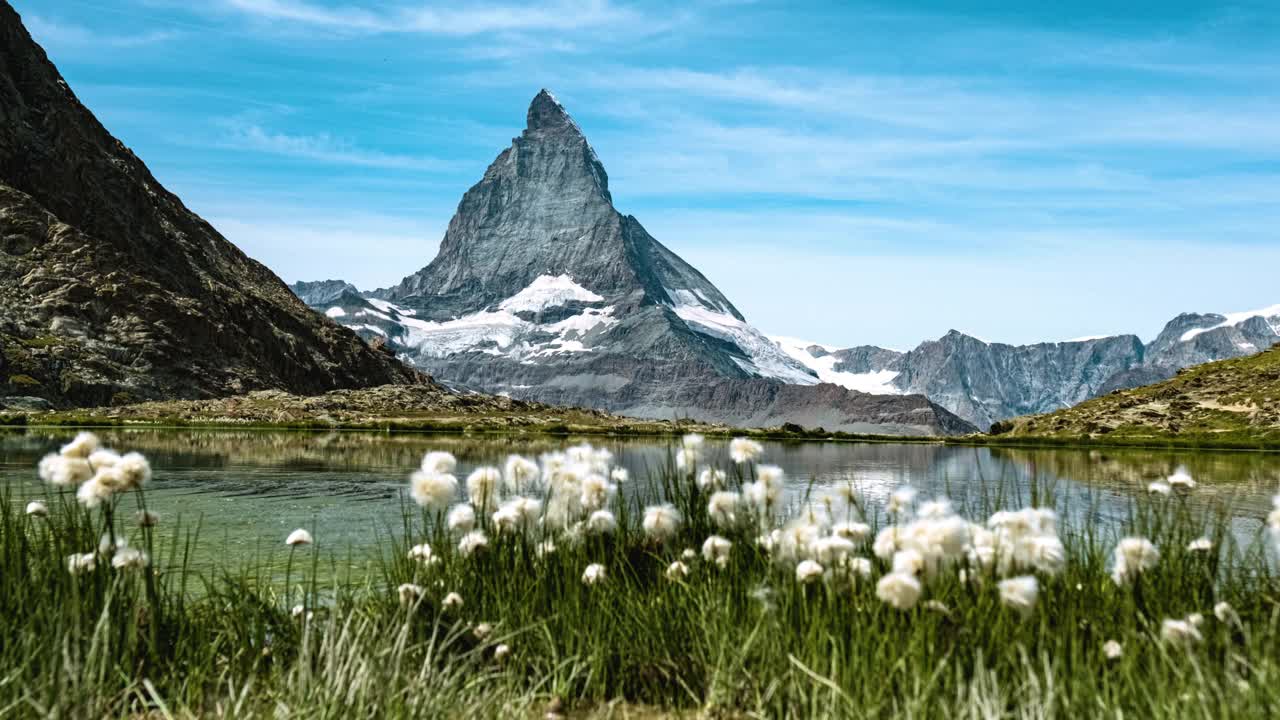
743	641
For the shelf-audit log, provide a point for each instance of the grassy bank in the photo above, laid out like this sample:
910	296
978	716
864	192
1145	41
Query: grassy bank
799	610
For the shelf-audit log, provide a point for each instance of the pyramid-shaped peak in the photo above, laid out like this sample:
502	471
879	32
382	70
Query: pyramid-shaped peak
546	113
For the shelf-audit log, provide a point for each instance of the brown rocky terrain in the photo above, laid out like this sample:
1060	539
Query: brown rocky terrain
112	291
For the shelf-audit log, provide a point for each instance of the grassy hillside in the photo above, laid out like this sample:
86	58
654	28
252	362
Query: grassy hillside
1230	403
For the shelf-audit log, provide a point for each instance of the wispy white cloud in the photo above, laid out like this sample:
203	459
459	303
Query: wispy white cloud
56	33
322	148
442	18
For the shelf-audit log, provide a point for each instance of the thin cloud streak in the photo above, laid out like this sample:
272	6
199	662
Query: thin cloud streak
443	19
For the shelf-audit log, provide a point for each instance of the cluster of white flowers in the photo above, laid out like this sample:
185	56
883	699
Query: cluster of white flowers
98	475
96	472
1133	556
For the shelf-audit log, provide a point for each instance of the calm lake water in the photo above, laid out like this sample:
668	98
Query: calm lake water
248	489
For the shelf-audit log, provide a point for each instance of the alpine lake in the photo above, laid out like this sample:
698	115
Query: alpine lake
241	492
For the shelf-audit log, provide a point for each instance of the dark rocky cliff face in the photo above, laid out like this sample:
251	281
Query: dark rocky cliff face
543	290
986	382
111	290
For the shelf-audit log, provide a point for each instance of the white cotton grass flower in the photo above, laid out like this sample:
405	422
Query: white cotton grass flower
134	469
520	474
908	562
482	488
899	590
452	601
937	606
35	508
1180	632
716	550
472	543
93	493
860	568
900	500
854	532
422	554
677	571
146	519
1159	487
63	471
299	537
1226	614
104	458
687	458
620	475
1112	650
766	492
432	490
661	522
81	446
711	479
1201	544
109	544
517	515
744	450
545	548
1133	556
1181	480
886	542
722	508
1020	593
439	462
594	574
299	611
596	492
80	563
833	551
482	631
502	653
461	518
127	558
410	593
808	571
602	522
692	441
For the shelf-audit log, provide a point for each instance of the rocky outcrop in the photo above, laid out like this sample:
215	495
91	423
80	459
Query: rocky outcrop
542	290
985	382
112	291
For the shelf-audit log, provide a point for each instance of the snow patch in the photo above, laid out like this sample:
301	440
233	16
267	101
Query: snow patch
876	383
548	291
763	357
387	307
1270	314
1087	338
335	312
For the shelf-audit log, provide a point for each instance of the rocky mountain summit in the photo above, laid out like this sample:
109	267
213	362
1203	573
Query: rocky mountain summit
987	382
112	291
542	290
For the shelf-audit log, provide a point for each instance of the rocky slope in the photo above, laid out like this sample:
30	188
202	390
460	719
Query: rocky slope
987	382
543	290
1227	402
112	291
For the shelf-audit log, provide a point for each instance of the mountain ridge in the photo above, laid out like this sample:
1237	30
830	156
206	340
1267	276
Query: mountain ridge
987	382
112	290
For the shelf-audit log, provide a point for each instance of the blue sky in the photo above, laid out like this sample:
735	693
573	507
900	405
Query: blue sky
846	172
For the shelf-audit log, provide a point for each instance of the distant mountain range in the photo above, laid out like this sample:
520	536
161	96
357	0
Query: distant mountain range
112	291
542	290
986	382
